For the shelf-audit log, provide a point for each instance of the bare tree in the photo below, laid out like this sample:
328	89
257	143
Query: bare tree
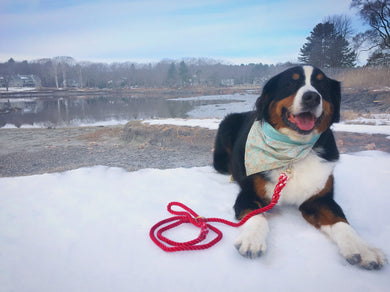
342	25
377	15
10	70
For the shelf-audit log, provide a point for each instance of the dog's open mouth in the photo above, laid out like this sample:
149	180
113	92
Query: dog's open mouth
303	123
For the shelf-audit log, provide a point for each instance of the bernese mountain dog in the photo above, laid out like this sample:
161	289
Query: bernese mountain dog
289	130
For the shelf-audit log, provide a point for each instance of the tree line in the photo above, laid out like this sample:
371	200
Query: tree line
331	44
66	72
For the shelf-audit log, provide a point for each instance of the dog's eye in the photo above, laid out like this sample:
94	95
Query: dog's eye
296	76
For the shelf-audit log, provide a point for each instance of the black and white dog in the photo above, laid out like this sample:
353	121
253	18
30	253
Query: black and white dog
290	130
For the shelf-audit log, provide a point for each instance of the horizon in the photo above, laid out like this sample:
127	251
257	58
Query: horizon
187	60
150	31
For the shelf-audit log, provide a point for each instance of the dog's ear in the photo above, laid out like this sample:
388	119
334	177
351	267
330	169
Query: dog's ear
262	103
262	107
335	91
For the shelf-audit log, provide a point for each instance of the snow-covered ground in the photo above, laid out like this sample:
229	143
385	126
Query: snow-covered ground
87	230
17	89
365	129
77	123
211	124
371	119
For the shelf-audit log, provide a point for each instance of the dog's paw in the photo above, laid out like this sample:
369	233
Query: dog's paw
353	248
367	257
251	243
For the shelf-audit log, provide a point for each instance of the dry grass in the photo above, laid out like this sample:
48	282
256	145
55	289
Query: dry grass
359	78
136	132
349	115
102	134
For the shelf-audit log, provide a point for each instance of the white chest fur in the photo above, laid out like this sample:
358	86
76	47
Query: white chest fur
308	178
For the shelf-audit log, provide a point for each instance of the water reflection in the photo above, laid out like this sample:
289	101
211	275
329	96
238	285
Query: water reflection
73	111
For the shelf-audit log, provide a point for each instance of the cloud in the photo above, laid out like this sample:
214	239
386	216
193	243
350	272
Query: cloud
158	29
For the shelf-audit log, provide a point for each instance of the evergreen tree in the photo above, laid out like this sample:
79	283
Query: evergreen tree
183	73
326	48
172	75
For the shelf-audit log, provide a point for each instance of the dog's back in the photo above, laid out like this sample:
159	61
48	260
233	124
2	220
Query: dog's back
228	132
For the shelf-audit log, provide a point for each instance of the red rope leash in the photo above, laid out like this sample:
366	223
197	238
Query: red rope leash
189	216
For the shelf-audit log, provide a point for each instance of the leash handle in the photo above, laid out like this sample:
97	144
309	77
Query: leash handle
190	216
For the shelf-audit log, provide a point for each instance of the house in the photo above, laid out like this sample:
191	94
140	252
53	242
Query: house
30	80
20	81
227	82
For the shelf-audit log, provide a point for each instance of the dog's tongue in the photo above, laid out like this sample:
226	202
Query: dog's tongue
305	121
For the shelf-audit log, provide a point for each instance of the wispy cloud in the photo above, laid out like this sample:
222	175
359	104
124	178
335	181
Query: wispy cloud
132	30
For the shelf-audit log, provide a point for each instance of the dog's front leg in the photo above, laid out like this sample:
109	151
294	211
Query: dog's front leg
251	243
325	214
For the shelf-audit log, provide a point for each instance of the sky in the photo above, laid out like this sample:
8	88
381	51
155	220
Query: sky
142	31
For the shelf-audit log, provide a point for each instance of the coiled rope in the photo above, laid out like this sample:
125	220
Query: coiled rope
189	216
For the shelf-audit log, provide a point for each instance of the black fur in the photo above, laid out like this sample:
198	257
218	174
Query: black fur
290	99
232	134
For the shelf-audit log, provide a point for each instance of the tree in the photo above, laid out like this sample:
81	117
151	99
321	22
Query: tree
377	15
379	58
342	25
183	73
10	70
326	48
172	75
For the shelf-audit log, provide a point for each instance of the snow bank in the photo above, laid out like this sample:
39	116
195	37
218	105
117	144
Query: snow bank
17	89
211	124
87	230
365	129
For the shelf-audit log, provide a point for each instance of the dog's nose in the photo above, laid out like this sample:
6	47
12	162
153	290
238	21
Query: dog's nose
311	99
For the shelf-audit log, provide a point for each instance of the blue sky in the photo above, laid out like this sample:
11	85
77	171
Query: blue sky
150	30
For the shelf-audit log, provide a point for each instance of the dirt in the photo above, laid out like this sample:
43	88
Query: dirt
365	101
133	147
36	151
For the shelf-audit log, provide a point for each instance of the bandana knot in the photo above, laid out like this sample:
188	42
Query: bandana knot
267	149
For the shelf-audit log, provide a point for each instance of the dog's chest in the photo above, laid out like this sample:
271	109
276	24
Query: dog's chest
308	177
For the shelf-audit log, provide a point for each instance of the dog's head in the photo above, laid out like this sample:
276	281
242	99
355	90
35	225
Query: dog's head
299	102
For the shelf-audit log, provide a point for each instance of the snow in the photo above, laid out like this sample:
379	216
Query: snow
87	230
365	129
74	123
211	124
17	89
371	119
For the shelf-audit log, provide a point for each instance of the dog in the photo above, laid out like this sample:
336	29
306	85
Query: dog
289	130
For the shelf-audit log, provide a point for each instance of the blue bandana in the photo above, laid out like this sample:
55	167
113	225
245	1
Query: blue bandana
267	149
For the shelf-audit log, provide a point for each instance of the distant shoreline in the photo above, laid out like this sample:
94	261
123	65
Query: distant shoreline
144	92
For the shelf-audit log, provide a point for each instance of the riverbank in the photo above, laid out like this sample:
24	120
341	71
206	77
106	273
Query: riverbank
133	146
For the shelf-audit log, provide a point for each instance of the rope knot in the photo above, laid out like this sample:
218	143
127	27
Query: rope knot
201	219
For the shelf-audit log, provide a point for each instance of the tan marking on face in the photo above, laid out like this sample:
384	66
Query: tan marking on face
326	117
295	76
320	76
275	111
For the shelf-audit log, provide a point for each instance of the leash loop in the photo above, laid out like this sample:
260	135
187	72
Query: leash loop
190	216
